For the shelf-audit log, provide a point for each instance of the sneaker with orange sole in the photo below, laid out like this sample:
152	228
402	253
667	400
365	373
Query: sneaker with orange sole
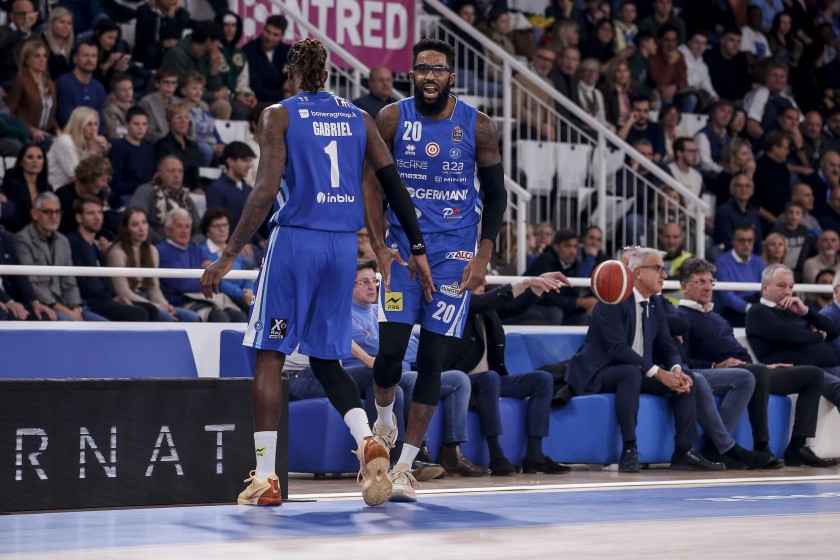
373	472
261	492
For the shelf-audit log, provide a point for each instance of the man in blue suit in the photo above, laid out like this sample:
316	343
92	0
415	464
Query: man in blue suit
617	357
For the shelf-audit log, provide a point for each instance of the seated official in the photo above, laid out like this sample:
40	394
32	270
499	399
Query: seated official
782	329
18	301
617	357
709	342
481	351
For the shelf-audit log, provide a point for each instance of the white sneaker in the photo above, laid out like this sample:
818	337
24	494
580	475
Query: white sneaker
261	492
373	472
387	437
402	484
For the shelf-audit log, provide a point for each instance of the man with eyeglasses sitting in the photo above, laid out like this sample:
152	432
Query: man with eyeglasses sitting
739	265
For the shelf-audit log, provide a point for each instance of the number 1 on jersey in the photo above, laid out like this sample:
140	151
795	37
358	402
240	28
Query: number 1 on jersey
332	151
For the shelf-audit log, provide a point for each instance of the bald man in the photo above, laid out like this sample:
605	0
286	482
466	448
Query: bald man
381	86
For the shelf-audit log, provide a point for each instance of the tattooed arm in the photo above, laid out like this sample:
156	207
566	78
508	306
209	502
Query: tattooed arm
274	122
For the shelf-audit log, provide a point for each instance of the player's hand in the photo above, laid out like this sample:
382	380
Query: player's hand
418	266
384	258
474	273
213	274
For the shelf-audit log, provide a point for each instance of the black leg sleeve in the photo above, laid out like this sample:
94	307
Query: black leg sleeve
338	385
393	340
430	356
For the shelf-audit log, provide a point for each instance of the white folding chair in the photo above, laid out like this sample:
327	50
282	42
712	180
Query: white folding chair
232	131
572	165
691	123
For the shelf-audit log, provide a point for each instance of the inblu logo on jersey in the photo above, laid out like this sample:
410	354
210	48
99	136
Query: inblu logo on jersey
457	135
451	290
451	214
459	255
304	113
334	198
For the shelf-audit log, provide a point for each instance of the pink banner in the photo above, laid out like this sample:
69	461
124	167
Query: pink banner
377	32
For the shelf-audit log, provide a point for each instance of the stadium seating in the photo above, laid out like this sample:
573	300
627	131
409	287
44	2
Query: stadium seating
61	354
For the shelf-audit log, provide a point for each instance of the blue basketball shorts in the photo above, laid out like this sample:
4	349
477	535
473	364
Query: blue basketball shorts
304	293
448	253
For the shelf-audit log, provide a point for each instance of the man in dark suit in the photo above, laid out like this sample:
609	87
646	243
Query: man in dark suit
782	329
481	354
823	181
617	357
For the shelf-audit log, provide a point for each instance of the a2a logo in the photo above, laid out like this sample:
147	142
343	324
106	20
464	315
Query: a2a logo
453	166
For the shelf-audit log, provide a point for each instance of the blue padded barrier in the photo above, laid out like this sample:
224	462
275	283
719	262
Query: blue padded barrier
72	354
235	360
527	351
513	413
584	431
331	450
778	423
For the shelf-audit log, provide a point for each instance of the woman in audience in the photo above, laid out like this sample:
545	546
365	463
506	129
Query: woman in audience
775	249
131	249
600	46
32	94
738	124
114	57
81	139
617	93
498	31
22	185
669	119
783	46
59	38
215	225
178	144
565	34
737	158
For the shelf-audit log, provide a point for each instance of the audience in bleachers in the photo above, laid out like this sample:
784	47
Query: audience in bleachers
177	143
155	103
32	95
267	60
119	102
60	39
92	177
21	186
80	140
78	88
165	192
132	158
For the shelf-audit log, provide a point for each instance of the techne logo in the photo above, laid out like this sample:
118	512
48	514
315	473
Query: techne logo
334	198
451	290
459	255
394	301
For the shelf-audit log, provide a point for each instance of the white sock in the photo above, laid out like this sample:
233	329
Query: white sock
357	420
385	416
409	452
265	447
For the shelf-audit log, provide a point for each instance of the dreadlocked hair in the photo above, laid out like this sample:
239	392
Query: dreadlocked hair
309	58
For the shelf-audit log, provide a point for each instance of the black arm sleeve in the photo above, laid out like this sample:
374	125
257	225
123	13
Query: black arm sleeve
400	202
495	200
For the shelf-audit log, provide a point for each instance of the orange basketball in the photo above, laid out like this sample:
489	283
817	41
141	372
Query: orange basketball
612	282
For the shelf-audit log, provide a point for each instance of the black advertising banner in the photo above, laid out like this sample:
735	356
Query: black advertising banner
127	442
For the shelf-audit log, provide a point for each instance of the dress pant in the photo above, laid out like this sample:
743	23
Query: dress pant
805	381
831	384
538	388
627	382
116	311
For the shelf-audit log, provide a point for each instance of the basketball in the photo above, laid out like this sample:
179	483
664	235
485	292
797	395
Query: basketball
612	282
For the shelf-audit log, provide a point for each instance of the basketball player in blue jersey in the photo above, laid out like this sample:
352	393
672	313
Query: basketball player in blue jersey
439	143
314	144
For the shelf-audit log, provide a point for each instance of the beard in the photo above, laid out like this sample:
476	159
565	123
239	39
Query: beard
431	108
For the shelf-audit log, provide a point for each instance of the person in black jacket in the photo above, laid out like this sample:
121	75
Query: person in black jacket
782	329
267	56
481	354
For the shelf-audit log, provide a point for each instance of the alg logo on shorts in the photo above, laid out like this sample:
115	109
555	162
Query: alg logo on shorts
459	255
322	198
451	290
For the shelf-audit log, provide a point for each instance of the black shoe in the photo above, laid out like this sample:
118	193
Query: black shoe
423	455
750	459
547	466
691	460
501	467
629	461
806	456
423	471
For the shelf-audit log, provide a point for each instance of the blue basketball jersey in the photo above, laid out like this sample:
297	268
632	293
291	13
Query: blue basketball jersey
325	150
436	160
